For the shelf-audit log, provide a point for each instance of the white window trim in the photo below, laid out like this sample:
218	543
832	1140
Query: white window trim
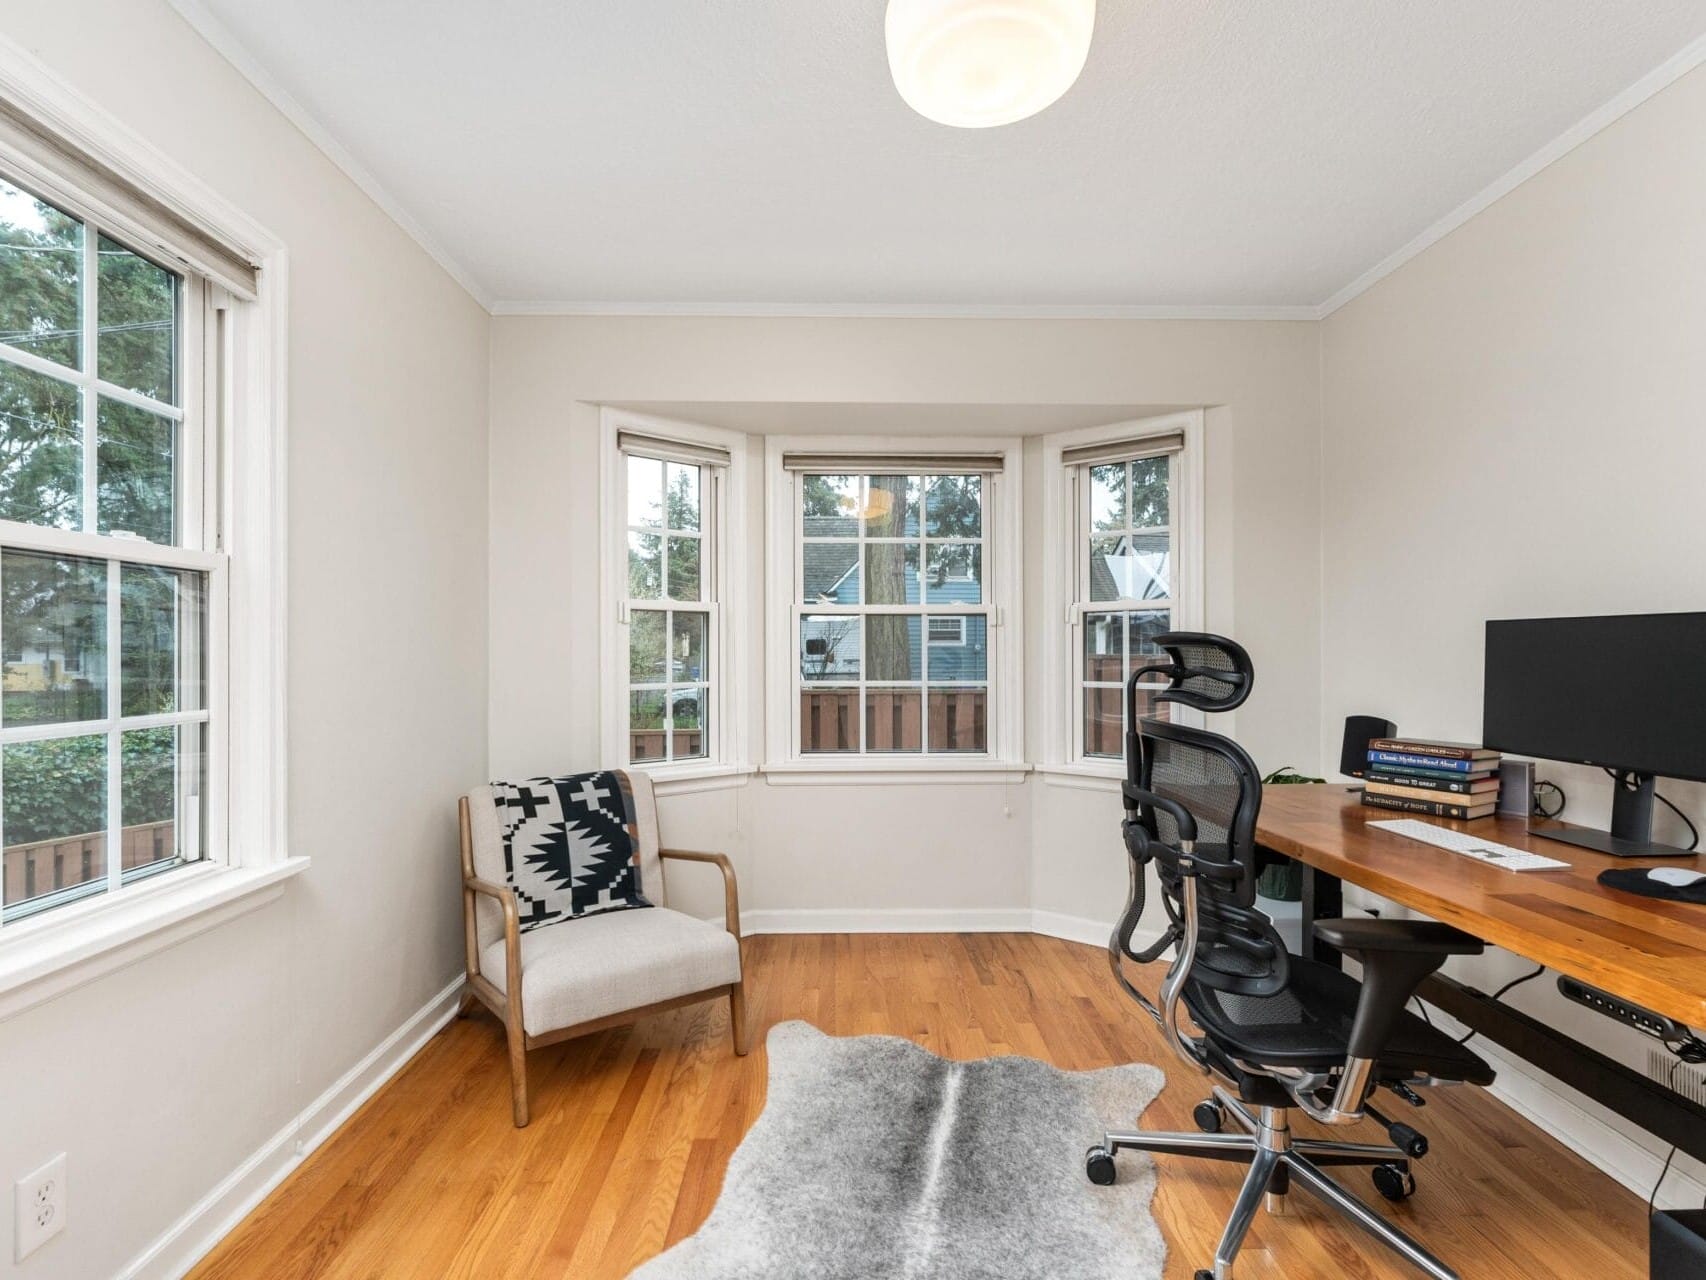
730	709
1004	762
1062	762
45	955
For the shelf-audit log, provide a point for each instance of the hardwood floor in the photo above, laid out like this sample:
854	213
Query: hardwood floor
632	1128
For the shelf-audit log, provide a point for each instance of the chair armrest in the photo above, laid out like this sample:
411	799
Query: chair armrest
1374	934
731	892
1136	795
512	930
1395	956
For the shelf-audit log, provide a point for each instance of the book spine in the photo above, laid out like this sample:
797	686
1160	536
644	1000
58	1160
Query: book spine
1425	782
1384	771
1442	750
1433	808
1378	756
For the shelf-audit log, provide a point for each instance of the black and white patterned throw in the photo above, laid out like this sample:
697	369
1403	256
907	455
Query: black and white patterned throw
570	846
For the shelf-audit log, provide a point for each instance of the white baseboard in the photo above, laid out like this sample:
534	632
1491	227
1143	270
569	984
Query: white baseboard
884	920
192	1236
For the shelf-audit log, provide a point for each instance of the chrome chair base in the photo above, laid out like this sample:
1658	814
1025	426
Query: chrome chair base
1277	1162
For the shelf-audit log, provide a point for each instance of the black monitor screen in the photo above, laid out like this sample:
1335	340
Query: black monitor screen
1625	692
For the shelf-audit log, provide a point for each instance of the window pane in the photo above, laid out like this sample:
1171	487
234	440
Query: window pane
687	710
53	630
1107	497
646	656
830	573
1149	492
827	722
891	572
645	492
683	490
41	278
162	620
135	461
954	573
891	506
645	566
953	507
1142	628
961	656
138	338
685	582
54	816
1102	728
894	720
1104	648
41	449
830	506
689	647
959	719
647	737
161	767
1133	567
892	643
830	647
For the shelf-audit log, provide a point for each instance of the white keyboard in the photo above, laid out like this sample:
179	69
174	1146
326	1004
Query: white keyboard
1498	855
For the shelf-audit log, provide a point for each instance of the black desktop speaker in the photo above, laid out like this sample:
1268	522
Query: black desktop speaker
1678	1245
1359	732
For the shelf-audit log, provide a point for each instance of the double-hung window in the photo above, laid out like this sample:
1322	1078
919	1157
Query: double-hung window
896	568
1126	570
669	492
111	583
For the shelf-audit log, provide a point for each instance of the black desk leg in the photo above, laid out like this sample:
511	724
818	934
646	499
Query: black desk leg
1323	899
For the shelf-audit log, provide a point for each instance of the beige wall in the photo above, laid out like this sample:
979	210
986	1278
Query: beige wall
964	848
160	1080
1513	427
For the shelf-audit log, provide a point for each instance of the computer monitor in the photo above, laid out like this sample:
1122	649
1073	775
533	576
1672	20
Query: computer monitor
1626	692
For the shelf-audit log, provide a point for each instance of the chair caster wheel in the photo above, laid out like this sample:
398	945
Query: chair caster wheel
1099	1166
1209	1115
1394	1182
1203	1273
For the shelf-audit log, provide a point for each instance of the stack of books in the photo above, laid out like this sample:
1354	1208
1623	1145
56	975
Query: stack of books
1441	779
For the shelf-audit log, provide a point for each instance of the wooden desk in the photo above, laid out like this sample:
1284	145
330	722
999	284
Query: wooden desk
1646	950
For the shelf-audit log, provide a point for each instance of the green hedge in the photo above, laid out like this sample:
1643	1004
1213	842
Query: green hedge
58	788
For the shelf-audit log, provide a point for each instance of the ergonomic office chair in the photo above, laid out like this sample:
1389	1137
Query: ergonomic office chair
1277	1030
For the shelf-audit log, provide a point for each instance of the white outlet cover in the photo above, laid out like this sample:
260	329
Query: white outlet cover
39	1206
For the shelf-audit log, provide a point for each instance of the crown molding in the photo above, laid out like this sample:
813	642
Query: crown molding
219	36
902	310
1659	78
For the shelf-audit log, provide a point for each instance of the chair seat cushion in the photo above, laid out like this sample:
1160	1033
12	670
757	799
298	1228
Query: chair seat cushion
1308	1025
577	971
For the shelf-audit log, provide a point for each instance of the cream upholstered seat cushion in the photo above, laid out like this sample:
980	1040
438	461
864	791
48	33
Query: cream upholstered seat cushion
576	971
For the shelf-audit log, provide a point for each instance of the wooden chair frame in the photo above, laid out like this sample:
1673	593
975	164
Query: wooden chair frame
507	1005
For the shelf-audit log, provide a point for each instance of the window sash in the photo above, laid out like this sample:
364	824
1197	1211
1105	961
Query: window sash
632	445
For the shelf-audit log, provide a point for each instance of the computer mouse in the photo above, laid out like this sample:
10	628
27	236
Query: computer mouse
1676	876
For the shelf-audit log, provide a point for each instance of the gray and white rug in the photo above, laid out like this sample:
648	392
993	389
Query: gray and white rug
874	1158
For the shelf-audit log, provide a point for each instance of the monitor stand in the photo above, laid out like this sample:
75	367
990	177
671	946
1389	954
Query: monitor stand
1631	824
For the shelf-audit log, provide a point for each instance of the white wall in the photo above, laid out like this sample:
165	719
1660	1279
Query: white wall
158	1080
1513	427
944	849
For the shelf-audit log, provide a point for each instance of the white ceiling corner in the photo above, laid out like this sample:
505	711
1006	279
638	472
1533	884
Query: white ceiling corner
1214	162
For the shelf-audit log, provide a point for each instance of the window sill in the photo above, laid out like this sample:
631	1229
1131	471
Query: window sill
805	773
686	779
1084	777
53	954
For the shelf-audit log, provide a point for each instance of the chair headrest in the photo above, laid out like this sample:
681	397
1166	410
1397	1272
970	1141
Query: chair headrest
1208	672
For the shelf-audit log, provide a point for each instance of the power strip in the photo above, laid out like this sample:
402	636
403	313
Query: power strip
1643	1020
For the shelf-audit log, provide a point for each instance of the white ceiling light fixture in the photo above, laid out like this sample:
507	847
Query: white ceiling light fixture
977	63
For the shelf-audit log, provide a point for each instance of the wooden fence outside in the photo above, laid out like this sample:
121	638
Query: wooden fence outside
650	744
894	720
32	870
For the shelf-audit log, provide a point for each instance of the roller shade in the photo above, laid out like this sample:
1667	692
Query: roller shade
906	464
704	455
63	173
1124	450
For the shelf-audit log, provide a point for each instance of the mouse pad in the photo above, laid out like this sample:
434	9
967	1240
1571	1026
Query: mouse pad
1637	880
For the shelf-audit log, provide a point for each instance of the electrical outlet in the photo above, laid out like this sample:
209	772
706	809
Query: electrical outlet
39	1200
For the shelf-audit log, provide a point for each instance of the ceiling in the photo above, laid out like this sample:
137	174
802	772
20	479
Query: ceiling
774	417
748	154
